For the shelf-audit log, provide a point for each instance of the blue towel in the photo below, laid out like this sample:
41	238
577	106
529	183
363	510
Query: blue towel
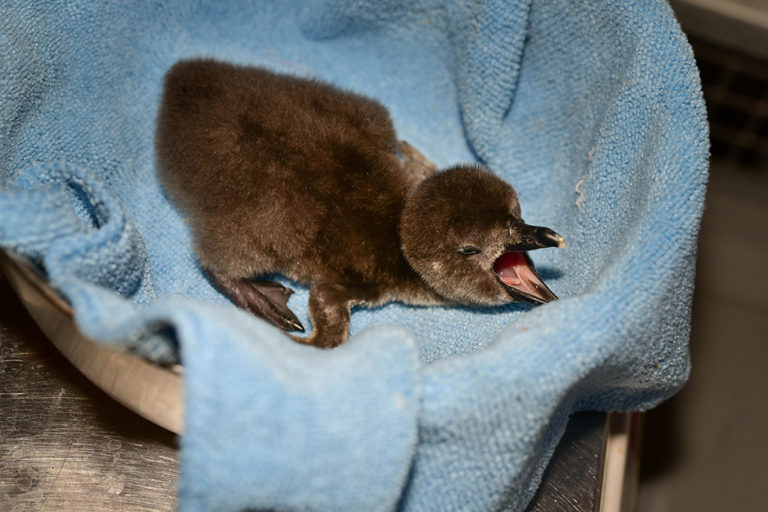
592	110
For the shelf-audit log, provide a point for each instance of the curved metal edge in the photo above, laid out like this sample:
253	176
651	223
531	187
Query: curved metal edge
623	436
154	392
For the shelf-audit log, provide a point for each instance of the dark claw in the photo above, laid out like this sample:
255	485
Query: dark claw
265	299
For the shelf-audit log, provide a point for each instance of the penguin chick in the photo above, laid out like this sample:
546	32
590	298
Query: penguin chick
283	175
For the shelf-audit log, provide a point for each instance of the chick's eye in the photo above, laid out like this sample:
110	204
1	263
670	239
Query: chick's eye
469	250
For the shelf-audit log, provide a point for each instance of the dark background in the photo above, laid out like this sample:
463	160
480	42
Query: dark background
706	448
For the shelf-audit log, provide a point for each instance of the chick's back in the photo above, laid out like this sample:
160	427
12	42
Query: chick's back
280	174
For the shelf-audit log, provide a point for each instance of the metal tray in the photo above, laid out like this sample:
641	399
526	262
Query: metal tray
151	390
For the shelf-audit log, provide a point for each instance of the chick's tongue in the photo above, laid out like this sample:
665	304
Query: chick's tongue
515	271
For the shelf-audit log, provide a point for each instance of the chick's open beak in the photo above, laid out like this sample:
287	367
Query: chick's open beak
514	268
515	271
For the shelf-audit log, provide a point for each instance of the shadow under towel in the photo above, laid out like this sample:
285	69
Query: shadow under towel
592	110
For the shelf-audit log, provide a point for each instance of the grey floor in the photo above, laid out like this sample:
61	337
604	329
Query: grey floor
707	448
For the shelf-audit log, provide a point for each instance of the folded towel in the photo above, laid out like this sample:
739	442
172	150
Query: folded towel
592	110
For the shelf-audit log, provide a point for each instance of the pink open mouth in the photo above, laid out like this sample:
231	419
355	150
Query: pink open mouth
518	275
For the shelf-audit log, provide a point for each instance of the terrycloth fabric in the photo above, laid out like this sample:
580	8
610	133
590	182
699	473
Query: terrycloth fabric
591	109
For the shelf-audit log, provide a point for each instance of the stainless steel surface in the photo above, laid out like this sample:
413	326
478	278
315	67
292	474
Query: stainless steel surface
572	481
738	24
64	444
148	389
